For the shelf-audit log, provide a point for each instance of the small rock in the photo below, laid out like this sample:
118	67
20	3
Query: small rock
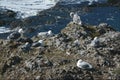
57	42
30	30
10	62
28	65
63	62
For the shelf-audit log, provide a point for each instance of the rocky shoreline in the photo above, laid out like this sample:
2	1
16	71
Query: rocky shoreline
58	57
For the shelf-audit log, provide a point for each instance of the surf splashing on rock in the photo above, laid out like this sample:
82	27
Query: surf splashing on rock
26	8
4	30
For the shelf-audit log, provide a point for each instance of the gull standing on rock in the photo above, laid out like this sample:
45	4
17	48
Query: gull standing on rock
16	35
45	34
26	46
38	44
95	42
76	42
49	33
76	18
83	65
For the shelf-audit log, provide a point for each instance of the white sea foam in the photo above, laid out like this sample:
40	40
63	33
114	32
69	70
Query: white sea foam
4	30
27	8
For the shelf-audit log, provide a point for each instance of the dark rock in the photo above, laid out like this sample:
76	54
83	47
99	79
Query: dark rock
14	45
49	63
104	27
15	24
30	30
10	62
101	31
20	40
29	40
63	62
10	13
114	2
6	17
2	22
24	40
68	77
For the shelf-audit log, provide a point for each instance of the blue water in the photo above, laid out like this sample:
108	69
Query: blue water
110	15
94	16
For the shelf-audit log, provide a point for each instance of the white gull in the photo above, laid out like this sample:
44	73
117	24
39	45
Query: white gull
76	18
83	65
16	35
95	42
38	44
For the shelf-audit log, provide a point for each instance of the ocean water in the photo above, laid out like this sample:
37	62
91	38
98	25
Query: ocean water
65	2
27	8
4	30
110	15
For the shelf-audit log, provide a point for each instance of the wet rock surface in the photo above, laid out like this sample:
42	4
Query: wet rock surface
57	59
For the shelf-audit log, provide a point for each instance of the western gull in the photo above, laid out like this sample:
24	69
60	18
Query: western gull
76	42
16	35
83	65
76	18
38	44
49	33
26	46
45	34
95	42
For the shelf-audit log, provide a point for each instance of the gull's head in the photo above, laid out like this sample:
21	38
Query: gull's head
49	32
80	60
95	38
26	43
79	63
76	41
40	41
71	14
76	14
20	30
